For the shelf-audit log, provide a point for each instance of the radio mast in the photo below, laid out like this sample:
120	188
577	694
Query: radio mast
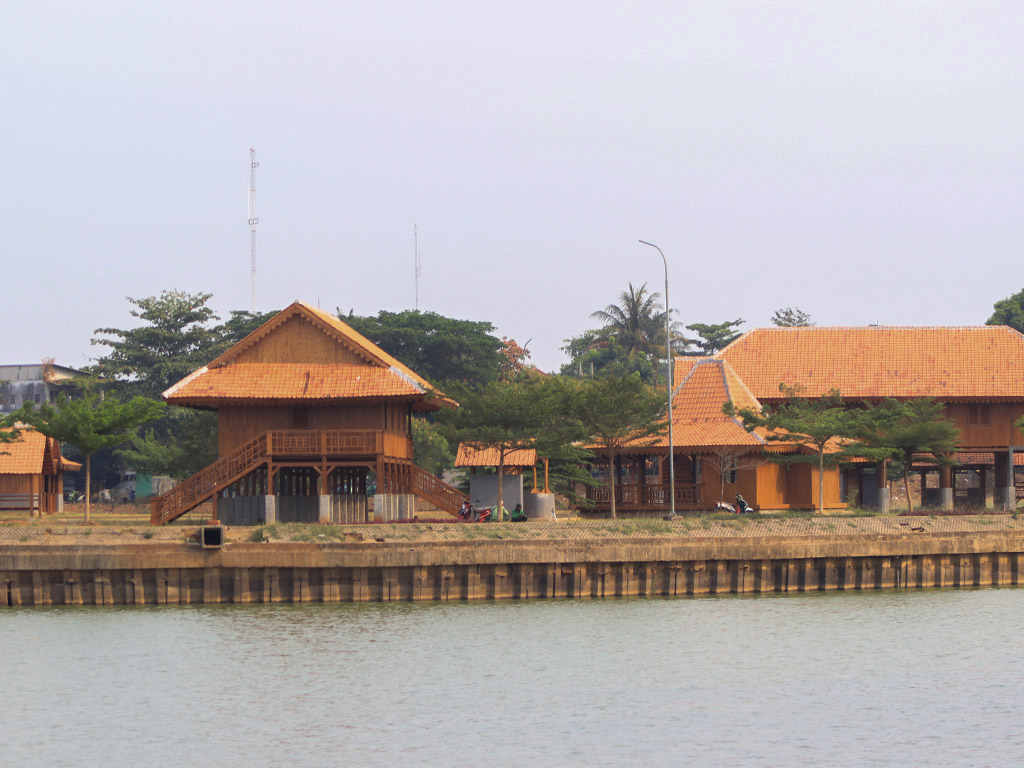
253	221
417	270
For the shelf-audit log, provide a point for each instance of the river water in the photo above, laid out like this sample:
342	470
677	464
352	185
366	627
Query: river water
857	678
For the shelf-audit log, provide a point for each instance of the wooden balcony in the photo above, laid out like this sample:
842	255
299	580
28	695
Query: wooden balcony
646	496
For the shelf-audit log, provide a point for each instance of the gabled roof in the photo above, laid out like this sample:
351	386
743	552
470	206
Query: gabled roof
370	372
946	363
32	453
470	455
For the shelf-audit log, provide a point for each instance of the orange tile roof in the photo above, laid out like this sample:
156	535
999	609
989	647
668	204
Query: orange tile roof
697	418
25	455
489	456
947	363
385	376
292	381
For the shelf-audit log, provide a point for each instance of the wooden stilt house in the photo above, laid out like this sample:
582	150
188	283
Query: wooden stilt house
32	474
312	417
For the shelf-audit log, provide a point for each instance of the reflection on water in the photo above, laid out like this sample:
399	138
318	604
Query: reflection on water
847	678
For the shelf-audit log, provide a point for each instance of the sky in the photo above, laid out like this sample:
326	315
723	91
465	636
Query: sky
863	161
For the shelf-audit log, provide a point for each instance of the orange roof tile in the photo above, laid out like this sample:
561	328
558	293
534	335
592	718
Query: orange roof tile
292	381
488	456
946	363
697	418
25	455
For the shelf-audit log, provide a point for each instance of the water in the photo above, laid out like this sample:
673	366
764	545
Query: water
866	678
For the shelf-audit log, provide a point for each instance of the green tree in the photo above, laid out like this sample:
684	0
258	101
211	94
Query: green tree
899	429
507	415
237	327
714	337
186	444
174	339
1009	311
430	449
820	423
637	322
790	317
592	354
91	423
439	348
616	411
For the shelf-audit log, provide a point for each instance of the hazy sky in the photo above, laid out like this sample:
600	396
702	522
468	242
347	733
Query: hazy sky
862	161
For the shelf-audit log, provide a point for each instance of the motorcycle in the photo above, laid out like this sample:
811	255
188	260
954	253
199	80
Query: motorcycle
743	508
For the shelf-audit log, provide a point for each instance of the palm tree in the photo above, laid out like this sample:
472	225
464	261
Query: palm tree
637	322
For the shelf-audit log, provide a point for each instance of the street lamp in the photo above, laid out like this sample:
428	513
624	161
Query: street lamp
668	377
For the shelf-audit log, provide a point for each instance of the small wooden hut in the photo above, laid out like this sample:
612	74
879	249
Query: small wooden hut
32	474
312	417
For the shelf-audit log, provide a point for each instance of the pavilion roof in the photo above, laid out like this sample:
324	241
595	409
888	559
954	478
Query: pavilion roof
241	375
945	363
32	453
706	384
470	455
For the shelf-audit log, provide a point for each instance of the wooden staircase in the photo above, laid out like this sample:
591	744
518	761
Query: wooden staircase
430	488
292	444
190	493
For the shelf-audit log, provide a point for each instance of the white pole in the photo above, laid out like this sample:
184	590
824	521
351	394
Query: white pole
668	377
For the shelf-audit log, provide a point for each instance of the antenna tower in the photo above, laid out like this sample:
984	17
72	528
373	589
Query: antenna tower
416	249
253	221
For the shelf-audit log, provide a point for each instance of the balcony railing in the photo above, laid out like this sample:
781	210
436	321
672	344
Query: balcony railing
646	496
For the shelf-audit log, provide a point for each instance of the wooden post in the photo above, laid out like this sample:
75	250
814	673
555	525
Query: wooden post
946	487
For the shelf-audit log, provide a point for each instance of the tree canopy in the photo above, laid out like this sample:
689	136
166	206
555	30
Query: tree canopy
439	348
712	337
637	322
899	429
1009	311
791	317
617	410
174	338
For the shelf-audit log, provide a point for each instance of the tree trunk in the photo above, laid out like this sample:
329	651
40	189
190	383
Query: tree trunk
88	486
821	480
611	478
501	486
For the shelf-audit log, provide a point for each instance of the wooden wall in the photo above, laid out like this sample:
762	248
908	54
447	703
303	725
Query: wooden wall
986	425
298	341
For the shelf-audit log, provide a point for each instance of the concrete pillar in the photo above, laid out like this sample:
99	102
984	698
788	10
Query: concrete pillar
270	514
1005	493
882	478
946	487
388	507
325	509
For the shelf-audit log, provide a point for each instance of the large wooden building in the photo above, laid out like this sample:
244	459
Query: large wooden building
716	458
974	371
312	416
32	474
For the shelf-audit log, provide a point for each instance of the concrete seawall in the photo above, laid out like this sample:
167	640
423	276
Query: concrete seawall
163	573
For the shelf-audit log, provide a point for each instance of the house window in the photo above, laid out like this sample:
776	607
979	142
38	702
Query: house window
978	414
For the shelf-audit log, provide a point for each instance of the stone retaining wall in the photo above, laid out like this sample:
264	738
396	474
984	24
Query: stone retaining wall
161	573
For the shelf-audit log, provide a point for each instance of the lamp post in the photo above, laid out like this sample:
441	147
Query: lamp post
668	377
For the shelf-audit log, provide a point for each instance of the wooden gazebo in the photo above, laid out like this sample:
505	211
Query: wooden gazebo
311	416
32	474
